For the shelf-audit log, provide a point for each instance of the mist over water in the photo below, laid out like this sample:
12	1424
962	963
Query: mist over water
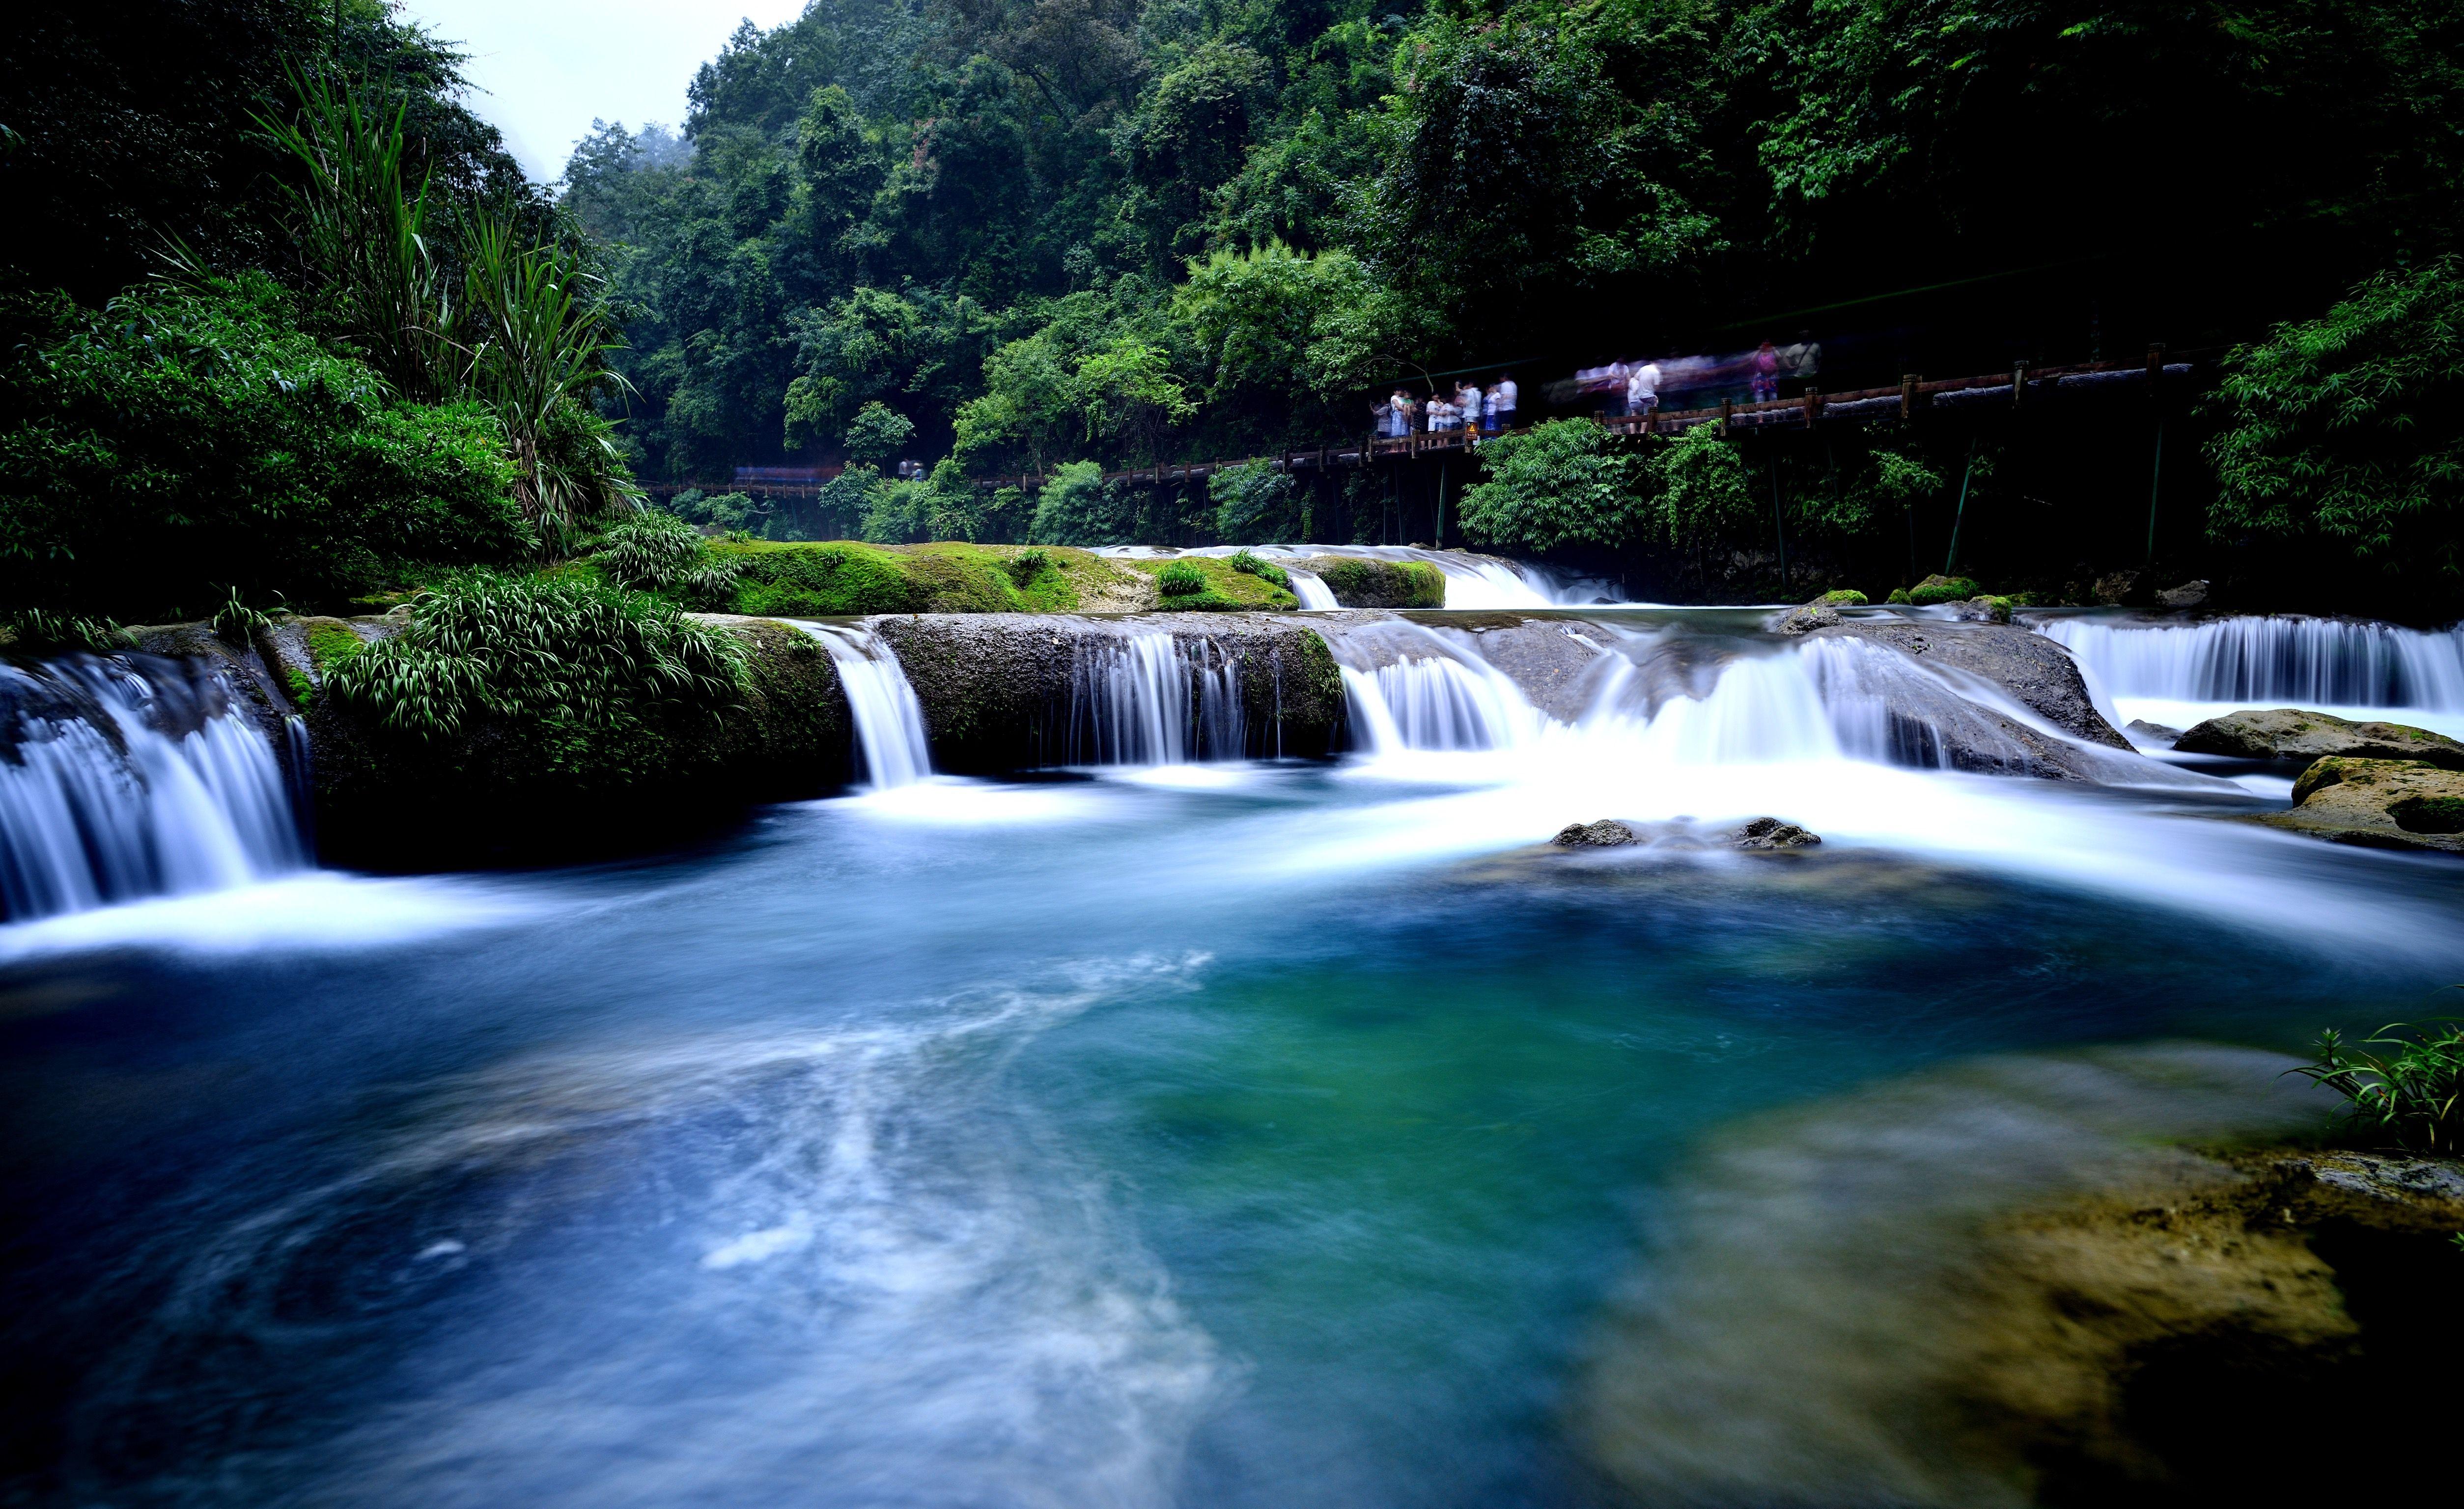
1169	1130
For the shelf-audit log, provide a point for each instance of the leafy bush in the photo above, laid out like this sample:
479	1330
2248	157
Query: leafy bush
877	433
553	664
2412	1098
185	442
2352	426
1567	482
1179	580
1079	508
1028	564
1258	566
661	553
1255	504
1704	499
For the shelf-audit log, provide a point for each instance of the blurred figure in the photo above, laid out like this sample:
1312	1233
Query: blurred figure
1488	410
1801	358
1619	374
1506	395
1467	405
1766	372
1642	389
1399	414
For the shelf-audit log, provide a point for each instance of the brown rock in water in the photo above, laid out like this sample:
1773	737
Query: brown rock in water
1769	833
2292	733
2378	803
1606	833
2184	598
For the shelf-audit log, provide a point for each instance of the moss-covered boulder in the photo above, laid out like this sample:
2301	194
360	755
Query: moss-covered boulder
1358	582
389	800
846	578
1938	588
2290	733
1213	584
2378	803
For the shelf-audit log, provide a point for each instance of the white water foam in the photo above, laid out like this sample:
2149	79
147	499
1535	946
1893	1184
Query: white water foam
1147	698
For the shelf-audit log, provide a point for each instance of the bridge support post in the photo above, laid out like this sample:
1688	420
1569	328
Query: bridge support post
1779	522
1959	517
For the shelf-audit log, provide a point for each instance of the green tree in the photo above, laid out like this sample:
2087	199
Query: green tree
1567	482
2348	426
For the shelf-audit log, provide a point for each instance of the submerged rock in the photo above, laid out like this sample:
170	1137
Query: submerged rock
2028	1280
1606	833
2378	803
1769	833
2292	733
2034	671
2146	732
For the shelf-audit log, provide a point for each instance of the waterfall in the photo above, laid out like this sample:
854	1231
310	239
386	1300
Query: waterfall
2270	661
1434	702
1142	699
889	719
1311	591
133	777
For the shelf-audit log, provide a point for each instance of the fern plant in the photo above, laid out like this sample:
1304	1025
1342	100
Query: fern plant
2412	1097
491	648
661	553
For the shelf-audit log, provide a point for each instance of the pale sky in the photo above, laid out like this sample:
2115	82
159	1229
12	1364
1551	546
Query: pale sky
543	69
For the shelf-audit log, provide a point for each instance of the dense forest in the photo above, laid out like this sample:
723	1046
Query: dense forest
991	238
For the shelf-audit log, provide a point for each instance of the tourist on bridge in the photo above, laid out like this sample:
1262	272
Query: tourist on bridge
1642	389
1399	413
1467	405
1618	375
1507	393
1488	410
1766	372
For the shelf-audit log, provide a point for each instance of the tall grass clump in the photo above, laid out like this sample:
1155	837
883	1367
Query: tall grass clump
661	553
537	656
2411	1096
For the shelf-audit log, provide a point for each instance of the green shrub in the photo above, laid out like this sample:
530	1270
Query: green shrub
184	443
1256	504
1566	482
1258	566
1078	507
1028	564
1179	580
660	552
567	678
2413	1098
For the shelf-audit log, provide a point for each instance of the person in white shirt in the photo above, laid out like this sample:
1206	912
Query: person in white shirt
1507	393
1489	411
1642	389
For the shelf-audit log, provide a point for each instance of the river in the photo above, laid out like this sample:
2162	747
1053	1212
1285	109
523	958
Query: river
1275	1133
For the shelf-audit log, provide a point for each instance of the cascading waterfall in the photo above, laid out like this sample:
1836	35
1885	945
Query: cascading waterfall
2312	662
1437	703
1311	590
1145	699
132	777
889	719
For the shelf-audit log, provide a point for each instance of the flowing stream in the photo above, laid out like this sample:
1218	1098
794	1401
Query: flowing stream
1309	1134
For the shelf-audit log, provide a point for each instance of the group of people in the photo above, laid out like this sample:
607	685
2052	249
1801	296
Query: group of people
1485	410
1636	387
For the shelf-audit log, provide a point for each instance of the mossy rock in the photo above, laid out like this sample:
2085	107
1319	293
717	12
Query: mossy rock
1899	596
1843	598
1221	589
1938	589
781	580
1368	583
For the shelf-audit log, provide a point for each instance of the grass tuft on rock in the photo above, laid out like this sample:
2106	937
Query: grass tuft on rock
2411	1098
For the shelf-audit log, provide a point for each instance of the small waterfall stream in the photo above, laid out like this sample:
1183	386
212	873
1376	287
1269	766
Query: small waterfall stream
889	719
1147	699
130	776
2269	661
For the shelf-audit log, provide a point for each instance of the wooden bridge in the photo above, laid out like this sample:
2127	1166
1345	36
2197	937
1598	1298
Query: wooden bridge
2021	388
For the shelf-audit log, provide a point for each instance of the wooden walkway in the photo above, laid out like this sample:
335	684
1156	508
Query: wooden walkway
2022	388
